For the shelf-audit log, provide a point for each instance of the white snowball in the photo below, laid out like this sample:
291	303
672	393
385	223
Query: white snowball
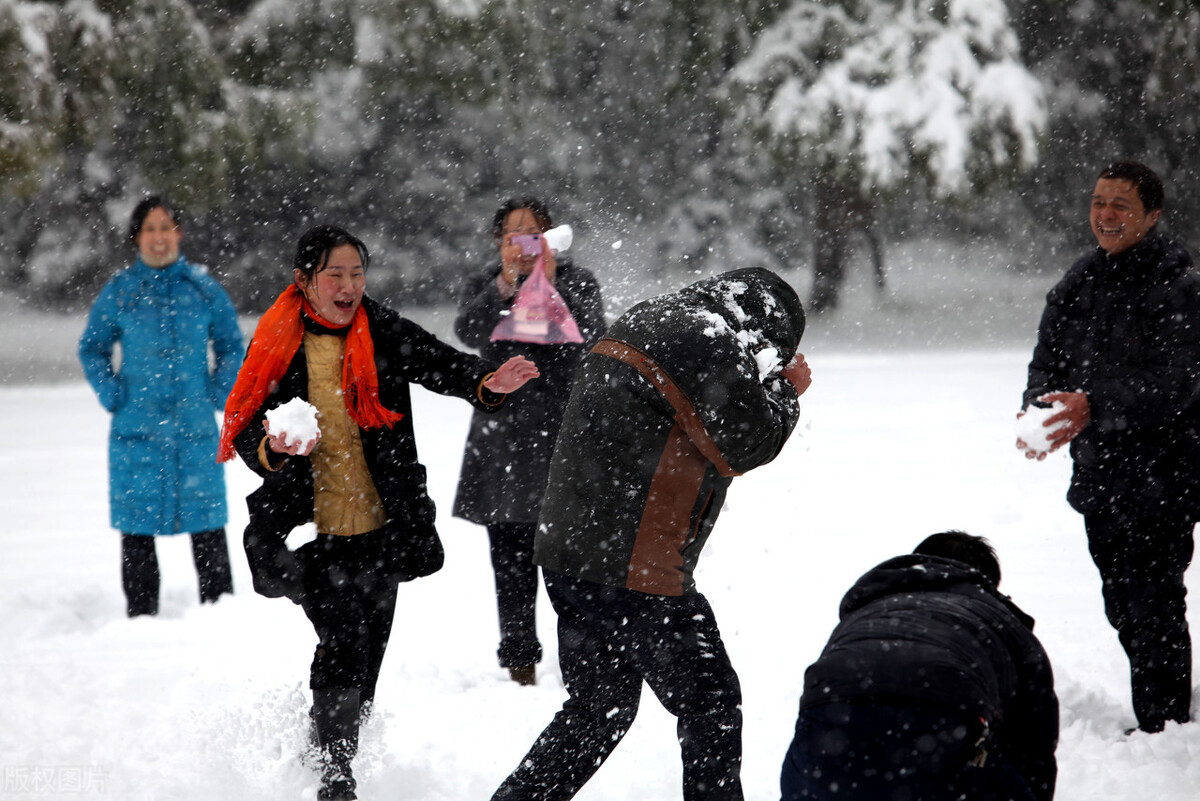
1031	429
297	418
559	238
768	362
301	536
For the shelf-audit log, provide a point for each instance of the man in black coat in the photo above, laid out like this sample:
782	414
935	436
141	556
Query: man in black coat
1119	347
687	390
932	686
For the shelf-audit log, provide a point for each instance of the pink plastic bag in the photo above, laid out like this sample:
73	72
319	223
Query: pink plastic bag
538	314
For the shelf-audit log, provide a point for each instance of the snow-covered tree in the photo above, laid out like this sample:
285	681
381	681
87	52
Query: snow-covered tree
29	105
55	106
869	97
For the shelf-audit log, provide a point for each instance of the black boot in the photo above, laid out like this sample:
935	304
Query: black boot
210	554
335	721
139	574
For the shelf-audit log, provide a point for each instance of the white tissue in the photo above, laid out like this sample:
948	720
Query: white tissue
559	238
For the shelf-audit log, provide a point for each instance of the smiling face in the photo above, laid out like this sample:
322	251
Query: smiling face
159	238
335	290
1119	218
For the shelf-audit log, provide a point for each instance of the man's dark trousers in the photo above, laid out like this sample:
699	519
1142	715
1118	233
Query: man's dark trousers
610	639
1142	560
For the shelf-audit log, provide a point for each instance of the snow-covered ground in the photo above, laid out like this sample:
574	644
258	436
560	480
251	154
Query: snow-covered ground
209	703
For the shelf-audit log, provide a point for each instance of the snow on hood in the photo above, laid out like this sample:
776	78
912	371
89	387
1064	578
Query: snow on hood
760	310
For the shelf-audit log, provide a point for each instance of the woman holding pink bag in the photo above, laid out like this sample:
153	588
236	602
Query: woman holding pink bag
533	302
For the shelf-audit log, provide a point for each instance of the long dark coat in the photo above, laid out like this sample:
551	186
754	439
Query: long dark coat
507	455
404	353
1125	329
934	632
666	409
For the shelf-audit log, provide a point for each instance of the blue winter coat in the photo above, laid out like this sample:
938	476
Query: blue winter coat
163	472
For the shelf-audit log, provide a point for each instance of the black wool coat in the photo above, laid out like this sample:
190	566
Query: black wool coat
666	409
1125	329
935	632
404	353
507	455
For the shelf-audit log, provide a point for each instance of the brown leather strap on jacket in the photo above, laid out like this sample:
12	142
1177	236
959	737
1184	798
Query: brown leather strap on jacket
660	379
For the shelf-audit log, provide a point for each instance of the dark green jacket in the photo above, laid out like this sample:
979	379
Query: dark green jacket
665	411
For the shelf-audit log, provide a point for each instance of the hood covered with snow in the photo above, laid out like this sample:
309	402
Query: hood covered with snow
750	317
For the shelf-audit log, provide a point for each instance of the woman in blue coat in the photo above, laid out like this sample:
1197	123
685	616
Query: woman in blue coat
163	472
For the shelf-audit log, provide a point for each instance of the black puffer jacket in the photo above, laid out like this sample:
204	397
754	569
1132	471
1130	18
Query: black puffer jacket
404	353
931	631
1125	329
673	403
507	455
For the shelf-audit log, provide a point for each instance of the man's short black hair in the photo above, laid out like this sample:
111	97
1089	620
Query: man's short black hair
536	206
142	210
1149	186
966	548
312	252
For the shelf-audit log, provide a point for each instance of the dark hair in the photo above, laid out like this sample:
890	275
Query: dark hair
535	205
966	548
1149	186
312	251
143	209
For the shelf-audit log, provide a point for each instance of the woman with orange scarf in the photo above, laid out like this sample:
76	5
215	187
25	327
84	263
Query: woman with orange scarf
357	477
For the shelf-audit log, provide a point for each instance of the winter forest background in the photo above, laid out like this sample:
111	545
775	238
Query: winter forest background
685	136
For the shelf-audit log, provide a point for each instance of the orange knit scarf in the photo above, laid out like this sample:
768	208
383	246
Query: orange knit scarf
276	339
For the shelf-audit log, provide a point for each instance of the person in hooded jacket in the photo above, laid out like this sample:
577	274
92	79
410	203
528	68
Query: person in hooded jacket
1119	347
356	477
686	391
932	686
164	314
507	455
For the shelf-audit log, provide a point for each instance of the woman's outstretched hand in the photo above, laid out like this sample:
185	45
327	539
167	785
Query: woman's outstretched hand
512	375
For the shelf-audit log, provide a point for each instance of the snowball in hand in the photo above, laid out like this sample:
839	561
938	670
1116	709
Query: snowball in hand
1031	429
297	418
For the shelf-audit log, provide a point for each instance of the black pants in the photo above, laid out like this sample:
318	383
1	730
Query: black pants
1142	561
140	576
881	752
351	607
609	641
516	592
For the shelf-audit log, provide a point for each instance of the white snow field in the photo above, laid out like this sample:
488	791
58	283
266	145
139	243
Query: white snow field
207	703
